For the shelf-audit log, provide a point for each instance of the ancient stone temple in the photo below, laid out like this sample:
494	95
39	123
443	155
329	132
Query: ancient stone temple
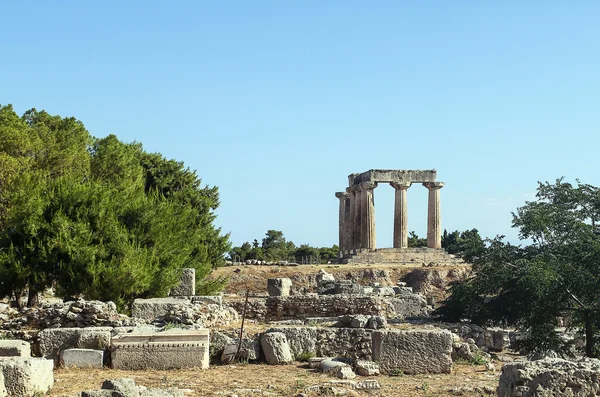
357	211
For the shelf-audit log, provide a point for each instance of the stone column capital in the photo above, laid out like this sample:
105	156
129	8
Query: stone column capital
342	195
433	185
367	185
400	185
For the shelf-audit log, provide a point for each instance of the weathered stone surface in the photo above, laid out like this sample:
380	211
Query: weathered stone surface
27	376
79	313
187	285
353	343
218	342
3	391
214	299
174	349
82	358
305	306
413	351
249	350
366	368
150	309
15	348
123	387
276	348
53	340
325	283
279	286
126	387
550	377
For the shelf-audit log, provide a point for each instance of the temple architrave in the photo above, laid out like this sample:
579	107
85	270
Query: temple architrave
357	210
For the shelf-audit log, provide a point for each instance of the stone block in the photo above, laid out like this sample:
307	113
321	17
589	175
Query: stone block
175	349
82	358
3	391
187	285
550	377
276	348
53	340
249	350
15	348
150	309
279	286
366	368
123	387
214	299
27	376
413	351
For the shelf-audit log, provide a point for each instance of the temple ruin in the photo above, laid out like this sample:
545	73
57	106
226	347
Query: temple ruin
357	211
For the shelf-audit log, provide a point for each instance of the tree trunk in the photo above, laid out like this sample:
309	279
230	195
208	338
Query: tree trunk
589	335
33	299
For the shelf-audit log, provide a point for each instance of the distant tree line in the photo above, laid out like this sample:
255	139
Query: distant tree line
275	247
465	244
98	217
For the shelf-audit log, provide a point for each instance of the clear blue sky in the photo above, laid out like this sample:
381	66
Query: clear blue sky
277	102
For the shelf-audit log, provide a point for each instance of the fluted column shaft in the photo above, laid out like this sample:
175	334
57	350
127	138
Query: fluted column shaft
400	215
434	217
342	220
367	215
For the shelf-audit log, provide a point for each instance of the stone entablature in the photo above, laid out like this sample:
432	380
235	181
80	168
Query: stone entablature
357	208
393	176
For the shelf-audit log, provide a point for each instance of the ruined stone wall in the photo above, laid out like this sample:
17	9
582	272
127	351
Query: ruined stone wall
303	306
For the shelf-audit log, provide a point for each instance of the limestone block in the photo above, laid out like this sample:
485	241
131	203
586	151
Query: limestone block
175	349
413	351
27	376
53	340
15	348
276	348
368	384
376	322
150	309
384	291
3	391
366	368
249	350
187	285
218	342
550	377
214	299
330	364
359	321
279	286
82	358
123	387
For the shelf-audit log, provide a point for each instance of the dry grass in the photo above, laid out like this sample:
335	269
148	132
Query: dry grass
280	381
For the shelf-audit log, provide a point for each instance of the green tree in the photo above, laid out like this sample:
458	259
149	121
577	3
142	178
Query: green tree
100	217
465	244
275	247
415	241
532	287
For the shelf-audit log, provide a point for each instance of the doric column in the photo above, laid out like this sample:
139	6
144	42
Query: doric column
434	217
342	220
354	218
400	215
367	215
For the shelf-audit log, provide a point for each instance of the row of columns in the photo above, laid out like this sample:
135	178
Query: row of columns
357	216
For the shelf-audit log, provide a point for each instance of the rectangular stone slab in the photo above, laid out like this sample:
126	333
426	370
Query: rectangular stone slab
162	350
27	376
54	340
15	348
413	351
82	358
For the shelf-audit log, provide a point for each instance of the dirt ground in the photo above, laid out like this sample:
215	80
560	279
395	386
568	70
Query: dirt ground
289	380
